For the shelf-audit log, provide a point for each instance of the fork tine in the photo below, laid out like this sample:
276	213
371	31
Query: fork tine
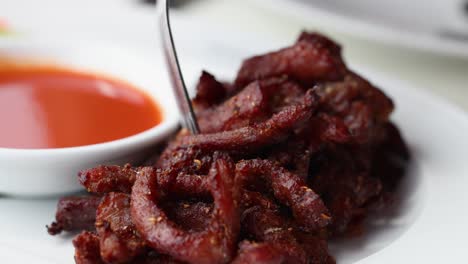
178	84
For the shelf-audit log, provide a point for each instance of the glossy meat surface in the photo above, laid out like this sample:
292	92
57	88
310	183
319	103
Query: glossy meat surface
215	244
274	130
311	59
75	213
119	240
104	179
288	188
87	249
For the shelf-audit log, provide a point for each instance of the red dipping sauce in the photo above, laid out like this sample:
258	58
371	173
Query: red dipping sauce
49	107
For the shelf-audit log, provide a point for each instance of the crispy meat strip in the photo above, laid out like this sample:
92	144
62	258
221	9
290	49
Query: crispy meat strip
104	179
308	209
182	159
294	155
191	216
154	258
320	40
181	154
87	249
189	186
315	246
119	240
346	185
216	243
390	159
361	184
274	130
255	103
360	105
286	94
251	198
394	143
310	60
269	226
75	213
268	253
344	209
241	110
209	92
266	225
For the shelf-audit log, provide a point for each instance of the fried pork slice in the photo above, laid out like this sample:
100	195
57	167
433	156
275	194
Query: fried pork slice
105	179
87	249
362	107
288	188
253	104
119	240
214	244
275	129
263	224
310	60
191	216
269	253
241	110
190	151
320	40
251	198
210	92
391	158
315	246
75	213
155	258
269	227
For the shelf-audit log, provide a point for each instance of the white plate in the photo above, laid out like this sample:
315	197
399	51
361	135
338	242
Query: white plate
428	227
430	25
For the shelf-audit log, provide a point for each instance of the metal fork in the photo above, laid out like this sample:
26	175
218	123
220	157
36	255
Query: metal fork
178	84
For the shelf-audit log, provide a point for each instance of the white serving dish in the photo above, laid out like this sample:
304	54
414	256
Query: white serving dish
46	172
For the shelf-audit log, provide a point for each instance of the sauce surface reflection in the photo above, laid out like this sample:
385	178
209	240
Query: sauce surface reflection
49	107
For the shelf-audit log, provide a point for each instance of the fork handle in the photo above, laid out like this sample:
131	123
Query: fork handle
178	84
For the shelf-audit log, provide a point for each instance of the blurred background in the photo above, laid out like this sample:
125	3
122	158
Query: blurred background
421	42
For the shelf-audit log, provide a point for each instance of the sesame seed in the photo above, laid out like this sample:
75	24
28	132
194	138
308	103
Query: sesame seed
324	216
198	163
273	230
213	241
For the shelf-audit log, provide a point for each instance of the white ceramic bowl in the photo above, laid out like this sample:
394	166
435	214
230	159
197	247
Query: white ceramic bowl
49	172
